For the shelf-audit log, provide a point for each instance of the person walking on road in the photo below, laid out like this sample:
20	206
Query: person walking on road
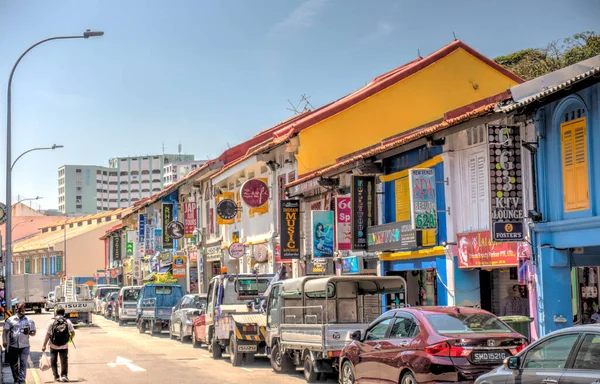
60	332
15	339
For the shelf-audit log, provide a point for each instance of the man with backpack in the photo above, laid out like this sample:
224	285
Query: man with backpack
60	332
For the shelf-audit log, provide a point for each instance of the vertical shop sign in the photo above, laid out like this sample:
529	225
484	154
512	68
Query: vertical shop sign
211	221
289	217
117	248
150	239
343	223
423	207
506	183
363	209
142	219
129	248
190	218
158	239
322	233
167	217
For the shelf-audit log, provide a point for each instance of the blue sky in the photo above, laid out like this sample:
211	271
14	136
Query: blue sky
207	73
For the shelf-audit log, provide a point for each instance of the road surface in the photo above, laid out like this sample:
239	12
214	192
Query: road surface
107	353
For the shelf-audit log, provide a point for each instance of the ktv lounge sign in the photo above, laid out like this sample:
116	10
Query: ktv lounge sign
506	183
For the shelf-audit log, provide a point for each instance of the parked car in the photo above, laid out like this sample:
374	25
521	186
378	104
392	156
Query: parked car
428	344
100	293
49	303
567	356
108	304
127	304
187	309
156	305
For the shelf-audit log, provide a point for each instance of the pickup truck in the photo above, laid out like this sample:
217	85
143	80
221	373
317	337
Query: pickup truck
155	306
78	307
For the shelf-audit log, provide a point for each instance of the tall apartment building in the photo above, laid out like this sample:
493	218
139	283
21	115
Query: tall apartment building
177	170
85	189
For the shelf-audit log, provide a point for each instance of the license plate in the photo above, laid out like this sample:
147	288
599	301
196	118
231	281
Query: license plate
489	357
73	314
35	307
246	348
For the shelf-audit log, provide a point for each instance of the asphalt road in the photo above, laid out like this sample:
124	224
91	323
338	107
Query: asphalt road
107	353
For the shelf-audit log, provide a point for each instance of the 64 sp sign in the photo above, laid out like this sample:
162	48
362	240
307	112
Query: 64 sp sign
422	198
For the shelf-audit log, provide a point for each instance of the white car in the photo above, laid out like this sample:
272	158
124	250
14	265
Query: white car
127	304
49	302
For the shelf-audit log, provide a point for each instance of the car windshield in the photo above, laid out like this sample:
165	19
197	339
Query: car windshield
251	287
452	323
199	302
131	294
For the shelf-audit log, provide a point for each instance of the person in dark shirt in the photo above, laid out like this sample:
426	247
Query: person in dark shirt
513	304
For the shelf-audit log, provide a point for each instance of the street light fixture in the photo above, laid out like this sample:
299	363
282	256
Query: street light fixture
9	161
28	199
53	147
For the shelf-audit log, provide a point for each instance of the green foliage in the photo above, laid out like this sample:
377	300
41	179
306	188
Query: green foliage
165	278
534	62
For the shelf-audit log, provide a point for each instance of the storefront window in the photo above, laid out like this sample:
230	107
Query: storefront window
421	289
586	308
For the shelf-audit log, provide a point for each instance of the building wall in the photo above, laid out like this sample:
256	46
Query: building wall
77	189
416	100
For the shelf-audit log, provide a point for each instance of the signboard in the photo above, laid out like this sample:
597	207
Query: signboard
142	220
261	253
137	269
150	240
423	203
255	193
175	230
167	217
116	247
343	223
322	233
131	239
506	183
158	239
478	250
213	253
3	213
179	263
392	237
317	268
363	209
190	218
352	265
237	250
227	209
289	217
193	255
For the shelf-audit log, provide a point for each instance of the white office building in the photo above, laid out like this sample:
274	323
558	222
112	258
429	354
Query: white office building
177	170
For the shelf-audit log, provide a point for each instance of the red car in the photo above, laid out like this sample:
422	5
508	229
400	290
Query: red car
428	345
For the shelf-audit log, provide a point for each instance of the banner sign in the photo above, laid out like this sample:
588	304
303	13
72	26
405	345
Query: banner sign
363	209
289	217
255	193
167	217
142	220
506	183
150	240
343	223
158	239
190	218
478	250
352	265
213	253
179	263
322	233
423	203
131	239
137	268
392	237
116	247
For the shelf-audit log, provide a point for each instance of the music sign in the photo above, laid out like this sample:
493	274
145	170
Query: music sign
289	217
422	198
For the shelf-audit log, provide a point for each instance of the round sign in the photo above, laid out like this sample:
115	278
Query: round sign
237	250
179	261
261	253
227	209
2	213
175	230
255	193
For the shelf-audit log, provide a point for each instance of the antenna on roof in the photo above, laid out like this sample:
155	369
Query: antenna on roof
228	146
454	34
418	53
296	108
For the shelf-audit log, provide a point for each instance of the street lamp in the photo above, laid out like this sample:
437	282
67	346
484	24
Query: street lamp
53	147
9	162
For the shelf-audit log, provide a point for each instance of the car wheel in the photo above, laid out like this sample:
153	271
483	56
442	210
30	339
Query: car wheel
347	374
408	378
309	370
181	335
280	362
217	351
142	326
120	323
234	356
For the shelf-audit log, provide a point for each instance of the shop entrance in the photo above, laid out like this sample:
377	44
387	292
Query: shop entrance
421	288
584	283
493	287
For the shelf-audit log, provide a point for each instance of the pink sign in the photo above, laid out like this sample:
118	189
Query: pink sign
343	223
255	193
190	219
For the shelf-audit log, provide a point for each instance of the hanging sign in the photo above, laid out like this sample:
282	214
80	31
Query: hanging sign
117	248
158	239
322	233
137	269
190	218
506	183
179	263
343	223
131	239
478	250
213	253
261	253
227	209
255	193
237	250
167	217
363	209
3	213
175	229
142	220
392	237
423	203
289	217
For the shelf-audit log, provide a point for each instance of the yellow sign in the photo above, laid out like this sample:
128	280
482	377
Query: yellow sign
179	264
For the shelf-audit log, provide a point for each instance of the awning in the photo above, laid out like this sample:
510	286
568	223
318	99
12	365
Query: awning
416	254
164	269
150	276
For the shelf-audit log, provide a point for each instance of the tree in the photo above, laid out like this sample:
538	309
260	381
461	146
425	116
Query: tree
163	278
534	62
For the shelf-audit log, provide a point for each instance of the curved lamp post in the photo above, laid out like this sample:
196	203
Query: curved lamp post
55	146
9	162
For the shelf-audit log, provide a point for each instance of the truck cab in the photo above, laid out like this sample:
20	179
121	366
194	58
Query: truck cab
155	305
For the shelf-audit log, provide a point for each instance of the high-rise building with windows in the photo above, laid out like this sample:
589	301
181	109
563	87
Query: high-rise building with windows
85	189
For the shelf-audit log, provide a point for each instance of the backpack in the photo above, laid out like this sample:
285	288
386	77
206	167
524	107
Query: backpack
60	334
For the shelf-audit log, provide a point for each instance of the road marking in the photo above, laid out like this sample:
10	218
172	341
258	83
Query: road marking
32	369
246	369
128	363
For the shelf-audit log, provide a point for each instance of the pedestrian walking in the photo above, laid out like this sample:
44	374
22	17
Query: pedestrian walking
15	339
60	332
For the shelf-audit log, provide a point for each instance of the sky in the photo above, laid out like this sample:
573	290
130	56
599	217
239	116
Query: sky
208	74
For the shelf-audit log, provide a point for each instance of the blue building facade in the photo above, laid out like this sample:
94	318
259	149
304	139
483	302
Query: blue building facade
423	267
566	232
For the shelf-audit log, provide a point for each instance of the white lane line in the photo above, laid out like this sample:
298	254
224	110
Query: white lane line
247	370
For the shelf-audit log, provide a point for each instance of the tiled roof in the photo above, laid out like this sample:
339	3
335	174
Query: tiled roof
24	226
111	230
452	118
100	215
